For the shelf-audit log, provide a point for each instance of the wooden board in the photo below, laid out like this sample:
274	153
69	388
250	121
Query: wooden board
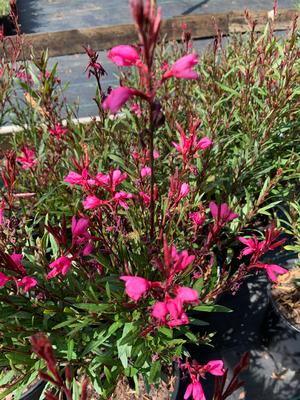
102	38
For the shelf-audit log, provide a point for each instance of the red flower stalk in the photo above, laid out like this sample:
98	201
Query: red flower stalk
147	21
43	349
94	67
9	174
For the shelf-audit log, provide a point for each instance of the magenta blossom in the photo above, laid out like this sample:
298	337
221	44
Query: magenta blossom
184	191
81	236
135	286
170	312
3	279
124	56
145	197
272	270
28	282
117	98
195	370
121	197
198	217
183	68
187	295
190	145
58	131
59	266
195	390
180	260
28	158
253	245
214	367
136	110
92	202
145	171
110	181
221	213
17	261
79	179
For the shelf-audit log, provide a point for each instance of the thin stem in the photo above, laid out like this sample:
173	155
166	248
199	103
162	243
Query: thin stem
151	138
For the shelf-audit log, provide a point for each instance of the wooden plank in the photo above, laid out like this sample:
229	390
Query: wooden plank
104	37
238	24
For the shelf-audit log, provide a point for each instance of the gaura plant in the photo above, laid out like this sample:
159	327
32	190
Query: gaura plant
106	250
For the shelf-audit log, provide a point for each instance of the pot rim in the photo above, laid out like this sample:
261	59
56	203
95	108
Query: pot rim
280	313
38	386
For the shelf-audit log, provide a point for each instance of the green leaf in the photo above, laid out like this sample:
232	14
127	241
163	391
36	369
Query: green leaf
94	308
166	331
212	308
154	371
123	346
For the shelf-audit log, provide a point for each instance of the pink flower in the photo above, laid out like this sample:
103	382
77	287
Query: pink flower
136	110
183	68
124	56
146	171
28	158
272	270
145	197
3	279
180	260
81	236
121	198
76	179
170	312
198	217
187	295
25	77
17	263
58	131
135	286
221	213
59	266
204	143
28	282
160	311
195	390
253	245
92	202
215	367
116	177
190	145
155	154
117	98
184	191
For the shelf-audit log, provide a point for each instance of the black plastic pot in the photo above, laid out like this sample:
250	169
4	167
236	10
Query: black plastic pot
34	393
175	394
283	319
7	25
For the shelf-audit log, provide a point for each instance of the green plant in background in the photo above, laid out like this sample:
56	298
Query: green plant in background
4	8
